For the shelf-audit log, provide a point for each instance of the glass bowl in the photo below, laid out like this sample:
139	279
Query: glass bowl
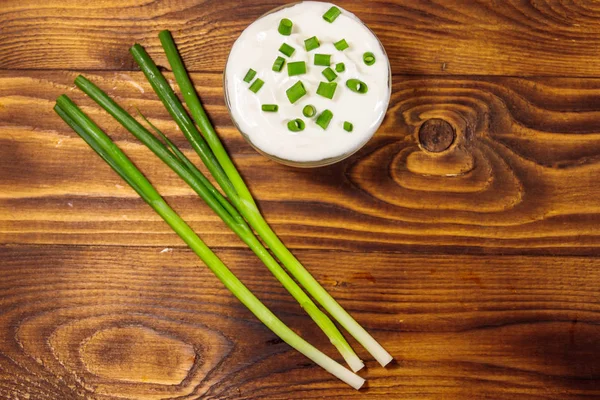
324	161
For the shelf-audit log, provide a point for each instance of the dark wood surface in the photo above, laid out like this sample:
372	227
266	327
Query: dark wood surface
473	258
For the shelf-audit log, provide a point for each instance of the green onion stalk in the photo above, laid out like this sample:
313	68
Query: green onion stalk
183	167
216	159
109	151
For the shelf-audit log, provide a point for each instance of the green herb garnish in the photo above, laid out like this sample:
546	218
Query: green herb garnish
311	43
341	45
287	49
323	59
270	107
295	92
285	27
332	14
249	75
278	64
296	68
327	89
324	119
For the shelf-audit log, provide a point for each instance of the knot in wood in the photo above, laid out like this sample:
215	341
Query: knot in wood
436	135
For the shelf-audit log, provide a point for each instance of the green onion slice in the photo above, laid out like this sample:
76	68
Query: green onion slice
249	75
369	58
348	126
329	74
296	125
309	111
340	67
285	27
295	92
323	59
296	68
270	107
357	86
311	43
256	85
341	45
278	64
332	14
287	49
324	119
327	89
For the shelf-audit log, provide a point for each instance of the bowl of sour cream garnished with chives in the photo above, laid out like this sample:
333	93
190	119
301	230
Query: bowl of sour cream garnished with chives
307	84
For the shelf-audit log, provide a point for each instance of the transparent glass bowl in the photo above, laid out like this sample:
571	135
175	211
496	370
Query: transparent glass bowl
307	164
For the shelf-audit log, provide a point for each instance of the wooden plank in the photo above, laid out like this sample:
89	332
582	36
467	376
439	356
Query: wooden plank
428	37
520	176
138	322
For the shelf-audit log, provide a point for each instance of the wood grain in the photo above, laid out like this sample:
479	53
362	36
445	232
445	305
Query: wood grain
518	178
483	37
152	324
463	236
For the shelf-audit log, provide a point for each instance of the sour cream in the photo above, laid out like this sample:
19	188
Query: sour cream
258	47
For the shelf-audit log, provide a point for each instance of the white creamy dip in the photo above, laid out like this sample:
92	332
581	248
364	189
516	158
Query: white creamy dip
258	47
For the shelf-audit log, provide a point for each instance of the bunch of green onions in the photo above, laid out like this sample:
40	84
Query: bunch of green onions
237	208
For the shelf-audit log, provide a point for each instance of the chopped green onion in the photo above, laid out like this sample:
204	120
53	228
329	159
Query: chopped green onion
340	67
348	126
332	14
311	43
278	64
341	45
256	85
270	107
324	119
285	27
309	111
249	75
327	89
329	74
323	59
296	68
296	125
287	49
369	58
357	86
295	91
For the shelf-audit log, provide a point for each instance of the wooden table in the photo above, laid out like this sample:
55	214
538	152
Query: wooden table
464	236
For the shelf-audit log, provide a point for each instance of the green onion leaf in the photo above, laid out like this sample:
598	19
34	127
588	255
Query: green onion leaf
324	119
295	92
285	27
326	89
256	85
341	45
108	150
329	74
278	64
296	125
309	111
287	49
311	43
249	75
369	58
340	67
357	86
270	107
323	60
296	68
332	14
348	126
